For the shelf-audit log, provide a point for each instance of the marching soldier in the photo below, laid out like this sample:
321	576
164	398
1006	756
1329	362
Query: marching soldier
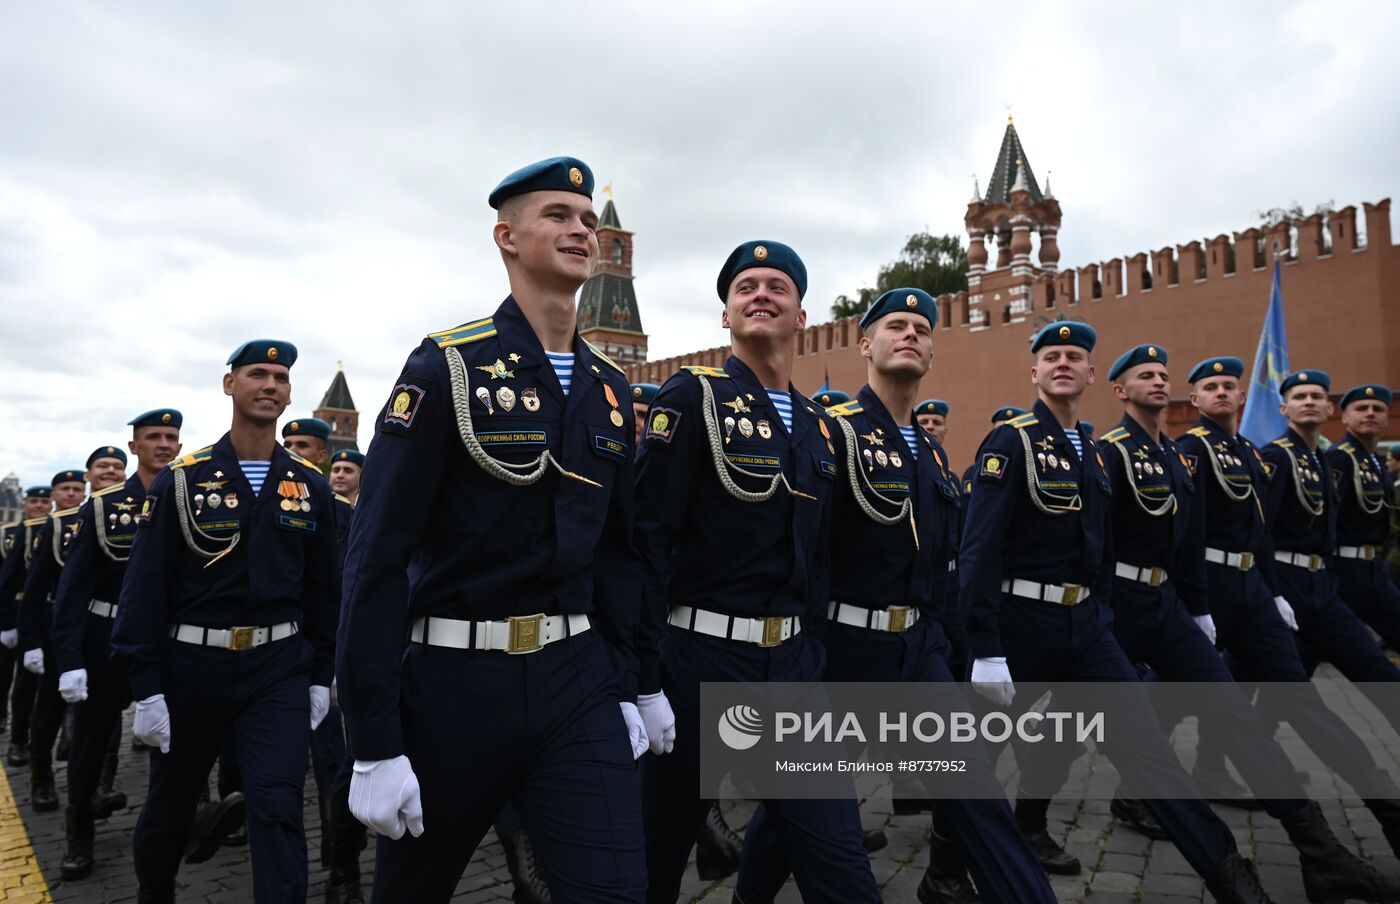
895	520
1037	580
1363	516
346	466
84	606
830	397
226	625
1161	618
932	415
47	555
16	538
643	394
1000	416
495	518
738	467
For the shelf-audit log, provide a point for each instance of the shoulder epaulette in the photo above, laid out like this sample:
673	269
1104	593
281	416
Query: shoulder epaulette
35	522
1284	442
193	458
705	371
1117	434
304	462
115	488
599	353
467	332
846	408
340	498
1345	446
10	525
1022	421
1198	431
65	513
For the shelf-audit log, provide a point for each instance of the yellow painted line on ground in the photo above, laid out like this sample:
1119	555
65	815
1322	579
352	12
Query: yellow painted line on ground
21	880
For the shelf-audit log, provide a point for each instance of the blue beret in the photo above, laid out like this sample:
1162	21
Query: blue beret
1006	413
1088	425
644	393
1065	332
1305	378
38	493
762	254
916	300
1367	392
1142	354
831	397
106	452
931	406
70	476
554	174
307	426
350	455
1228	366
159	417
264	351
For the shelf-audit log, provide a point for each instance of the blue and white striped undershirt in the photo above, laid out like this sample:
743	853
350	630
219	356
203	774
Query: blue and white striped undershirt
256	472
1077	441
910	438
782	400
563	368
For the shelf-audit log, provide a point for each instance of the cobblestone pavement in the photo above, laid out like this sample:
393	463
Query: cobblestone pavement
1120	866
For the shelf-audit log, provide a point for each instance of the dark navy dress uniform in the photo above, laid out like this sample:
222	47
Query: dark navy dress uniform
885	623
1363	529
229	610
24	541
763	588
51	545
439	546
1037	573
84	608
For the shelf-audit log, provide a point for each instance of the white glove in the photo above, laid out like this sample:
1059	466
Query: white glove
636	729
384	795
1207	626
152	724
72	686
320	704
1285	612
34	660
992	679
10	637
660	721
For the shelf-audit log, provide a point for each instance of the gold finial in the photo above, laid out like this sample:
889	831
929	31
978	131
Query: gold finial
607	190
340	366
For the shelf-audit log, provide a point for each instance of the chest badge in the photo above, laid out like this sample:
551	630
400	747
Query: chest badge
765	429
498	370
530	399
483	395
738	406
746	427
505	397
896	460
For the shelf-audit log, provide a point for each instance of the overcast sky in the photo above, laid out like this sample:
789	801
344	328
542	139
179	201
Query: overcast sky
178	177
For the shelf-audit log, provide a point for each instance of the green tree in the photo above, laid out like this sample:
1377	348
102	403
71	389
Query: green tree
935	263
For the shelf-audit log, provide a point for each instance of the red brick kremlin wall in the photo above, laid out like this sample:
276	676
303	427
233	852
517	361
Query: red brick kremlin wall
1341	306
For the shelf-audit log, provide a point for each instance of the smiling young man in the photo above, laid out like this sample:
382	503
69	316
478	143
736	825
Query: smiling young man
84	606
346	466
226	629
18	548
734	485
495	518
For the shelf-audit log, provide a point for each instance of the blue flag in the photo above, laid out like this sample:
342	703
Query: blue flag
1263	422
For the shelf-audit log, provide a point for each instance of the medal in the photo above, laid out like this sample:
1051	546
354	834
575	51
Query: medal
230	501
1051	460
125	519
881	457
111	523
530	399
765	429
826	434
214	500
728	428
1040	458
287	505
1064	463
616	418
869	459
505	397
896	460
198	503
746	427
484	396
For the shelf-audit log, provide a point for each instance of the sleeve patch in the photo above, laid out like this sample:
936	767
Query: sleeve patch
662	423
148	509
1190	461
403	405
992	467
1269	468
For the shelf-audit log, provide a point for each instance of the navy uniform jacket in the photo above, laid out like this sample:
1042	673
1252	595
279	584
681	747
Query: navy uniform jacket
282	569
878	565
51	545
1222	464
91	573
344	514
1007	536
1363	483
435	534
12	571
1174	541
701	546
1298	474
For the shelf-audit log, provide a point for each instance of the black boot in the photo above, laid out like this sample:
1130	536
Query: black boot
1236	882
212	824
107	800
1132	814
717	848
1385	806
77	860
945	881
151	895
530	887
18	753
343	886
1030	818
1219	787
1330	871
42	795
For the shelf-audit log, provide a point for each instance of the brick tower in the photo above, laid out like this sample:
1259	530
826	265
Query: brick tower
608	315
338	410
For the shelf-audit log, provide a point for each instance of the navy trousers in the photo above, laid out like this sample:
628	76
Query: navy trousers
1367	589
820	839
256	703
96	720
545	729
985	832
49	710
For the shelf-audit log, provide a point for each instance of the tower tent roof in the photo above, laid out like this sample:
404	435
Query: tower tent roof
338	395
1004	174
